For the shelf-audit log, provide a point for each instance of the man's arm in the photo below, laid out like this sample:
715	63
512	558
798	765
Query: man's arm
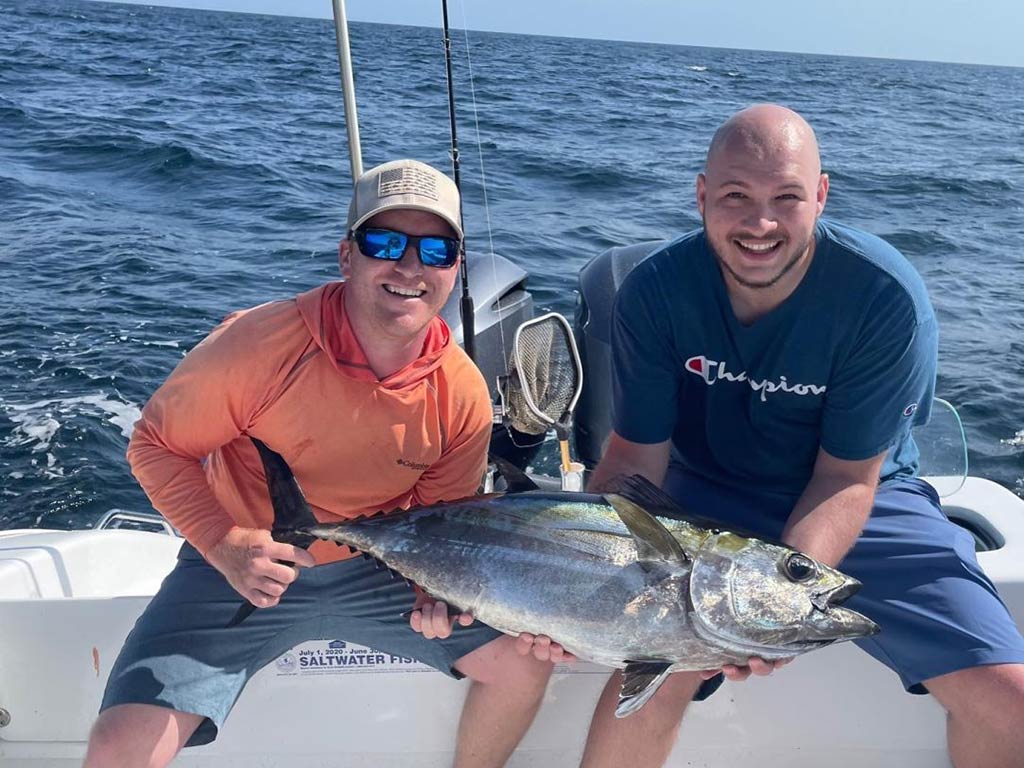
835	505
624	457
205	403
825	523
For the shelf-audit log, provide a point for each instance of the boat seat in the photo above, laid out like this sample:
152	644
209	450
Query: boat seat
45	564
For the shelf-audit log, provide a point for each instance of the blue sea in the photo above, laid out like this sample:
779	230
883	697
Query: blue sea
160	167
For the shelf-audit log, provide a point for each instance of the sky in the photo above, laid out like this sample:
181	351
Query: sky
965	31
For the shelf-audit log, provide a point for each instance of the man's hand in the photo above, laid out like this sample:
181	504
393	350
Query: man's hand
254	564
430	618
755	666
542	647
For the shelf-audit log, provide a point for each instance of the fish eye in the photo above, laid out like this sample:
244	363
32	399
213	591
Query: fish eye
799	567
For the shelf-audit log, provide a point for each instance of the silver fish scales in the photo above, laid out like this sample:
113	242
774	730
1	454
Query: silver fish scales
626	578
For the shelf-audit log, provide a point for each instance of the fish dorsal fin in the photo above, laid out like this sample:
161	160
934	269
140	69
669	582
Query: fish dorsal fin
640	681
654	543
515	478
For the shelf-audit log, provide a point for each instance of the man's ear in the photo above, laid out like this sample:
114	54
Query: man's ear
822	194
702	191
345	258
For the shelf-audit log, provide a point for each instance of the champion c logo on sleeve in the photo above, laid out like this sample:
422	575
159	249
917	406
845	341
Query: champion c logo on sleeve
910	409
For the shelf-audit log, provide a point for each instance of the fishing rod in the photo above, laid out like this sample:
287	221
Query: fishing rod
553	386
466	309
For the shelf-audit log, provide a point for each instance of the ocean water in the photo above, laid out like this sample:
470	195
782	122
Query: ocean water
160	167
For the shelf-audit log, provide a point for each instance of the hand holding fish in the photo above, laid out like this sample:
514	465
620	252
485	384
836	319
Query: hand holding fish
259	568
754	666
543	648
430	617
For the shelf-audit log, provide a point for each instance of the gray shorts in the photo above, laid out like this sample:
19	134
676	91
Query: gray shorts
181	655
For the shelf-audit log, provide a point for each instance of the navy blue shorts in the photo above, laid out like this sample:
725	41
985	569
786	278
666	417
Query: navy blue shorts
181	655
938	611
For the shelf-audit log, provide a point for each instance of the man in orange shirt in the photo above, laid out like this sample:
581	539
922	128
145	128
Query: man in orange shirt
361	389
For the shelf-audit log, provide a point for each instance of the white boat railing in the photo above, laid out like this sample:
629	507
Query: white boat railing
123	519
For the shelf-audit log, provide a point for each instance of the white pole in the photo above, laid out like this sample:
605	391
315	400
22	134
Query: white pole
348	89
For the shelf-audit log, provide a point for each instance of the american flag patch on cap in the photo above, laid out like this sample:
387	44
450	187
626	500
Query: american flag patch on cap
403	184
407	181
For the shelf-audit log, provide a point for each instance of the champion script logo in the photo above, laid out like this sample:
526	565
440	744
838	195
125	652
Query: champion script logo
412	464
713	371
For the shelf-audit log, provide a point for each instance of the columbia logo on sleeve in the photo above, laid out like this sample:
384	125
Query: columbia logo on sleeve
419	466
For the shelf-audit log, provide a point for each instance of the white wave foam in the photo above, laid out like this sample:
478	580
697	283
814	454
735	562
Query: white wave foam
697	68
51	470
122	415
38	422
123	336
31	428
1017	440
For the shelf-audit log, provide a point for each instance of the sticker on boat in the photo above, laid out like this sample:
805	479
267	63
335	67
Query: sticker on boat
340	657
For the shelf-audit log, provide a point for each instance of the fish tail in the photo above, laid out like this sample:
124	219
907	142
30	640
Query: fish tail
292	515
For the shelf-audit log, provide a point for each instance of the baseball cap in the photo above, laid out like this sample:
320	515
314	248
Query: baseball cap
404	184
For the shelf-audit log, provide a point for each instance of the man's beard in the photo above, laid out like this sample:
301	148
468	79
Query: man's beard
797	255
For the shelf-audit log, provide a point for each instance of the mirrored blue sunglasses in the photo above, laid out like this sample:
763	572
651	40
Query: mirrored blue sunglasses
389	245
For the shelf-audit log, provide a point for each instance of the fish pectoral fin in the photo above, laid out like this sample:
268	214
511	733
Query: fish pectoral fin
654	543
640	682
642	491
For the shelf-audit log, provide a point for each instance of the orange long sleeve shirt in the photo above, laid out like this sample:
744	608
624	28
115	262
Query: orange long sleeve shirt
292	374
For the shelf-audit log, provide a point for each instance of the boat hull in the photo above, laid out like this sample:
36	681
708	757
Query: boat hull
328	702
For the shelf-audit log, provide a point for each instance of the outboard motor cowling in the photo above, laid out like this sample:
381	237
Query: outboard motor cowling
598	283
500	303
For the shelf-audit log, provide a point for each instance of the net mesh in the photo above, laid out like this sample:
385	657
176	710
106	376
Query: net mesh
545	369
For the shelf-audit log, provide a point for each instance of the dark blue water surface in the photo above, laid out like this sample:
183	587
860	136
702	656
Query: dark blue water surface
160	167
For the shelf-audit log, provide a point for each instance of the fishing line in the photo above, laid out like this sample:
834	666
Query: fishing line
561	425
503	380
483	181
466	301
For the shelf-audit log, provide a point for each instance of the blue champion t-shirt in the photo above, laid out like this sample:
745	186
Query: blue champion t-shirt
846	363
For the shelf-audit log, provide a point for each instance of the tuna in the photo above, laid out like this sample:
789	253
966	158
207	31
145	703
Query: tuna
625	579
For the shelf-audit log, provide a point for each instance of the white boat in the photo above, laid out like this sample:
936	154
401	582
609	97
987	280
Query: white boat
69	598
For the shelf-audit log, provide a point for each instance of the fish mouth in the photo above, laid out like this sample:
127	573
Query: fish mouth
835	597
833	622
844	624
